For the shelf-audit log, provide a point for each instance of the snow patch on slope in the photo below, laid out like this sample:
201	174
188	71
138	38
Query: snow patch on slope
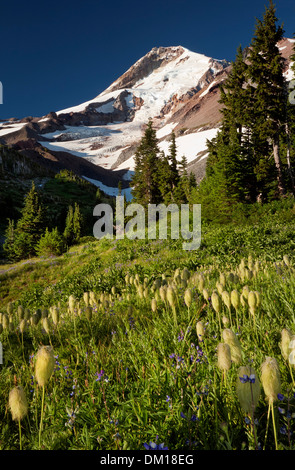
189	145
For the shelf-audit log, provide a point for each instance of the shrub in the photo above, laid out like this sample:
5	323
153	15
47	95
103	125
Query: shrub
51	243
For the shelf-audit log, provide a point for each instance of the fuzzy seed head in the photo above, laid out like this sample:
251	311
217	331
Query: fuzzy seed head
291	350
220	287
44	365
163	293
245	292
18	403
223	356
216	302
20	312
86	298
55	315
226	299
258	298
22	325
252	302
225	321
286	336
72	303
271	379
230	338
46	325
206	294
201	283
5	321
222	279
154	305
171	297
188	297
235	299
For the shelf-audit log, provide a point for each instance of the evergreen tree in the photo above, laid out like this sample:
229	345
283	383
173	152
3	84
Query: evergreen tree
22	240
77	223
145	181
32	215
232	150
69	227
8	246
165	178
172	159
51	243
290	124
72	231
267	85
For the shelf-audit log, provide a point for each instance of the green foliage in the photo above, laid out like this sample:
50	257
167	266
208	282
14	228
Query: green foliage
160	178
74	220
51	243
125	372
22	240
248	158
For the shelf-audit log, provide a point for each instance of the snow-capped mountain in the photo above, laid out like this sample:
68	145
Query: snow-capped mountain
111	124
175	87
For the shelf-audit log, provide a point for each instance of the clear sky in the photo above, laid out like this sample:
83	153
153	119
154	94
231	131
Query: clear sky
57	54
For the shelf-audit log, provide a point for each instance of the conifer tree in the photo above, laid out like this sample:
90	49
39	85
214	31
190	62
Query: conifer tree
69	226
72	231
145	182
77	222
23	239
165	178
172	158
32	215
230	153
267	88
8	245
290	123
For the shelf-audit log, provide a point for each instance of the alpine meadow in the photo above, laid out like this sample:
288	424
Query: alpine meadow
129	341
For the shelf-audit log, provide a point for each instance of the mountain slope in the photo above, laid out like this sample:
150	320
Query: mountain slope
176	88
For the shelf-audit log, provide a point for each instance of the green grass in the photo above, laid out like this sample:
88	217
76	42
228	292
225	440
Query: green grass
128	373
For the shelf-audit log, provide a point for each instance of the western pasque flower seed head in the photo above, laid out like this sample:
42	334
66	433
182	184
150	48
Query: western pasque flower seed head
18	403
44	365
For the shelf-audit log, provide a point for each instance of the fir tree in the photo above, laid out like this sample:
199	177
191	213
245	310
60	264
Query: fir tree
23	239
145	181
69	226
8	245
172	159
267	88
77	223
72	231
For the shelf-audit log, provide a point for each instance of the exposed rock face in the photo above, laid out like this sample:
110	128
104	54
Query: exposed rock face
154	59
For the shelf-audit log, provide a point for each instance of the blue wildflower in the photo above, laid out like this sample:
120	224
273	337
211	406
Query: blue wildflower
153	446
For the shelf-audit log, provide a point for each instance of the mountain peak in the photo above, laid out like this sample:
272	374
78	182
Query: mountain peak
155	58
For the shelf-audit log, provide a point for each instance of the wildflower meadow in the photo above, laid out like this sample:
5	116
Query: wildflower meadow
136	345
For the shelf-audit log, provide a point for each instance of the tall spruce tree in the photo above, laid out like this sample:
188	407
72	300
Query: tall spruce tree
266	84
290	123
145	181
72	231
230	156
172	158
30	226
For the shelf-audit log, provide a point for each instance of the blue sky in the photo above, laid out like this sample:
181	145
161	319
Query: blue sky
60	53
